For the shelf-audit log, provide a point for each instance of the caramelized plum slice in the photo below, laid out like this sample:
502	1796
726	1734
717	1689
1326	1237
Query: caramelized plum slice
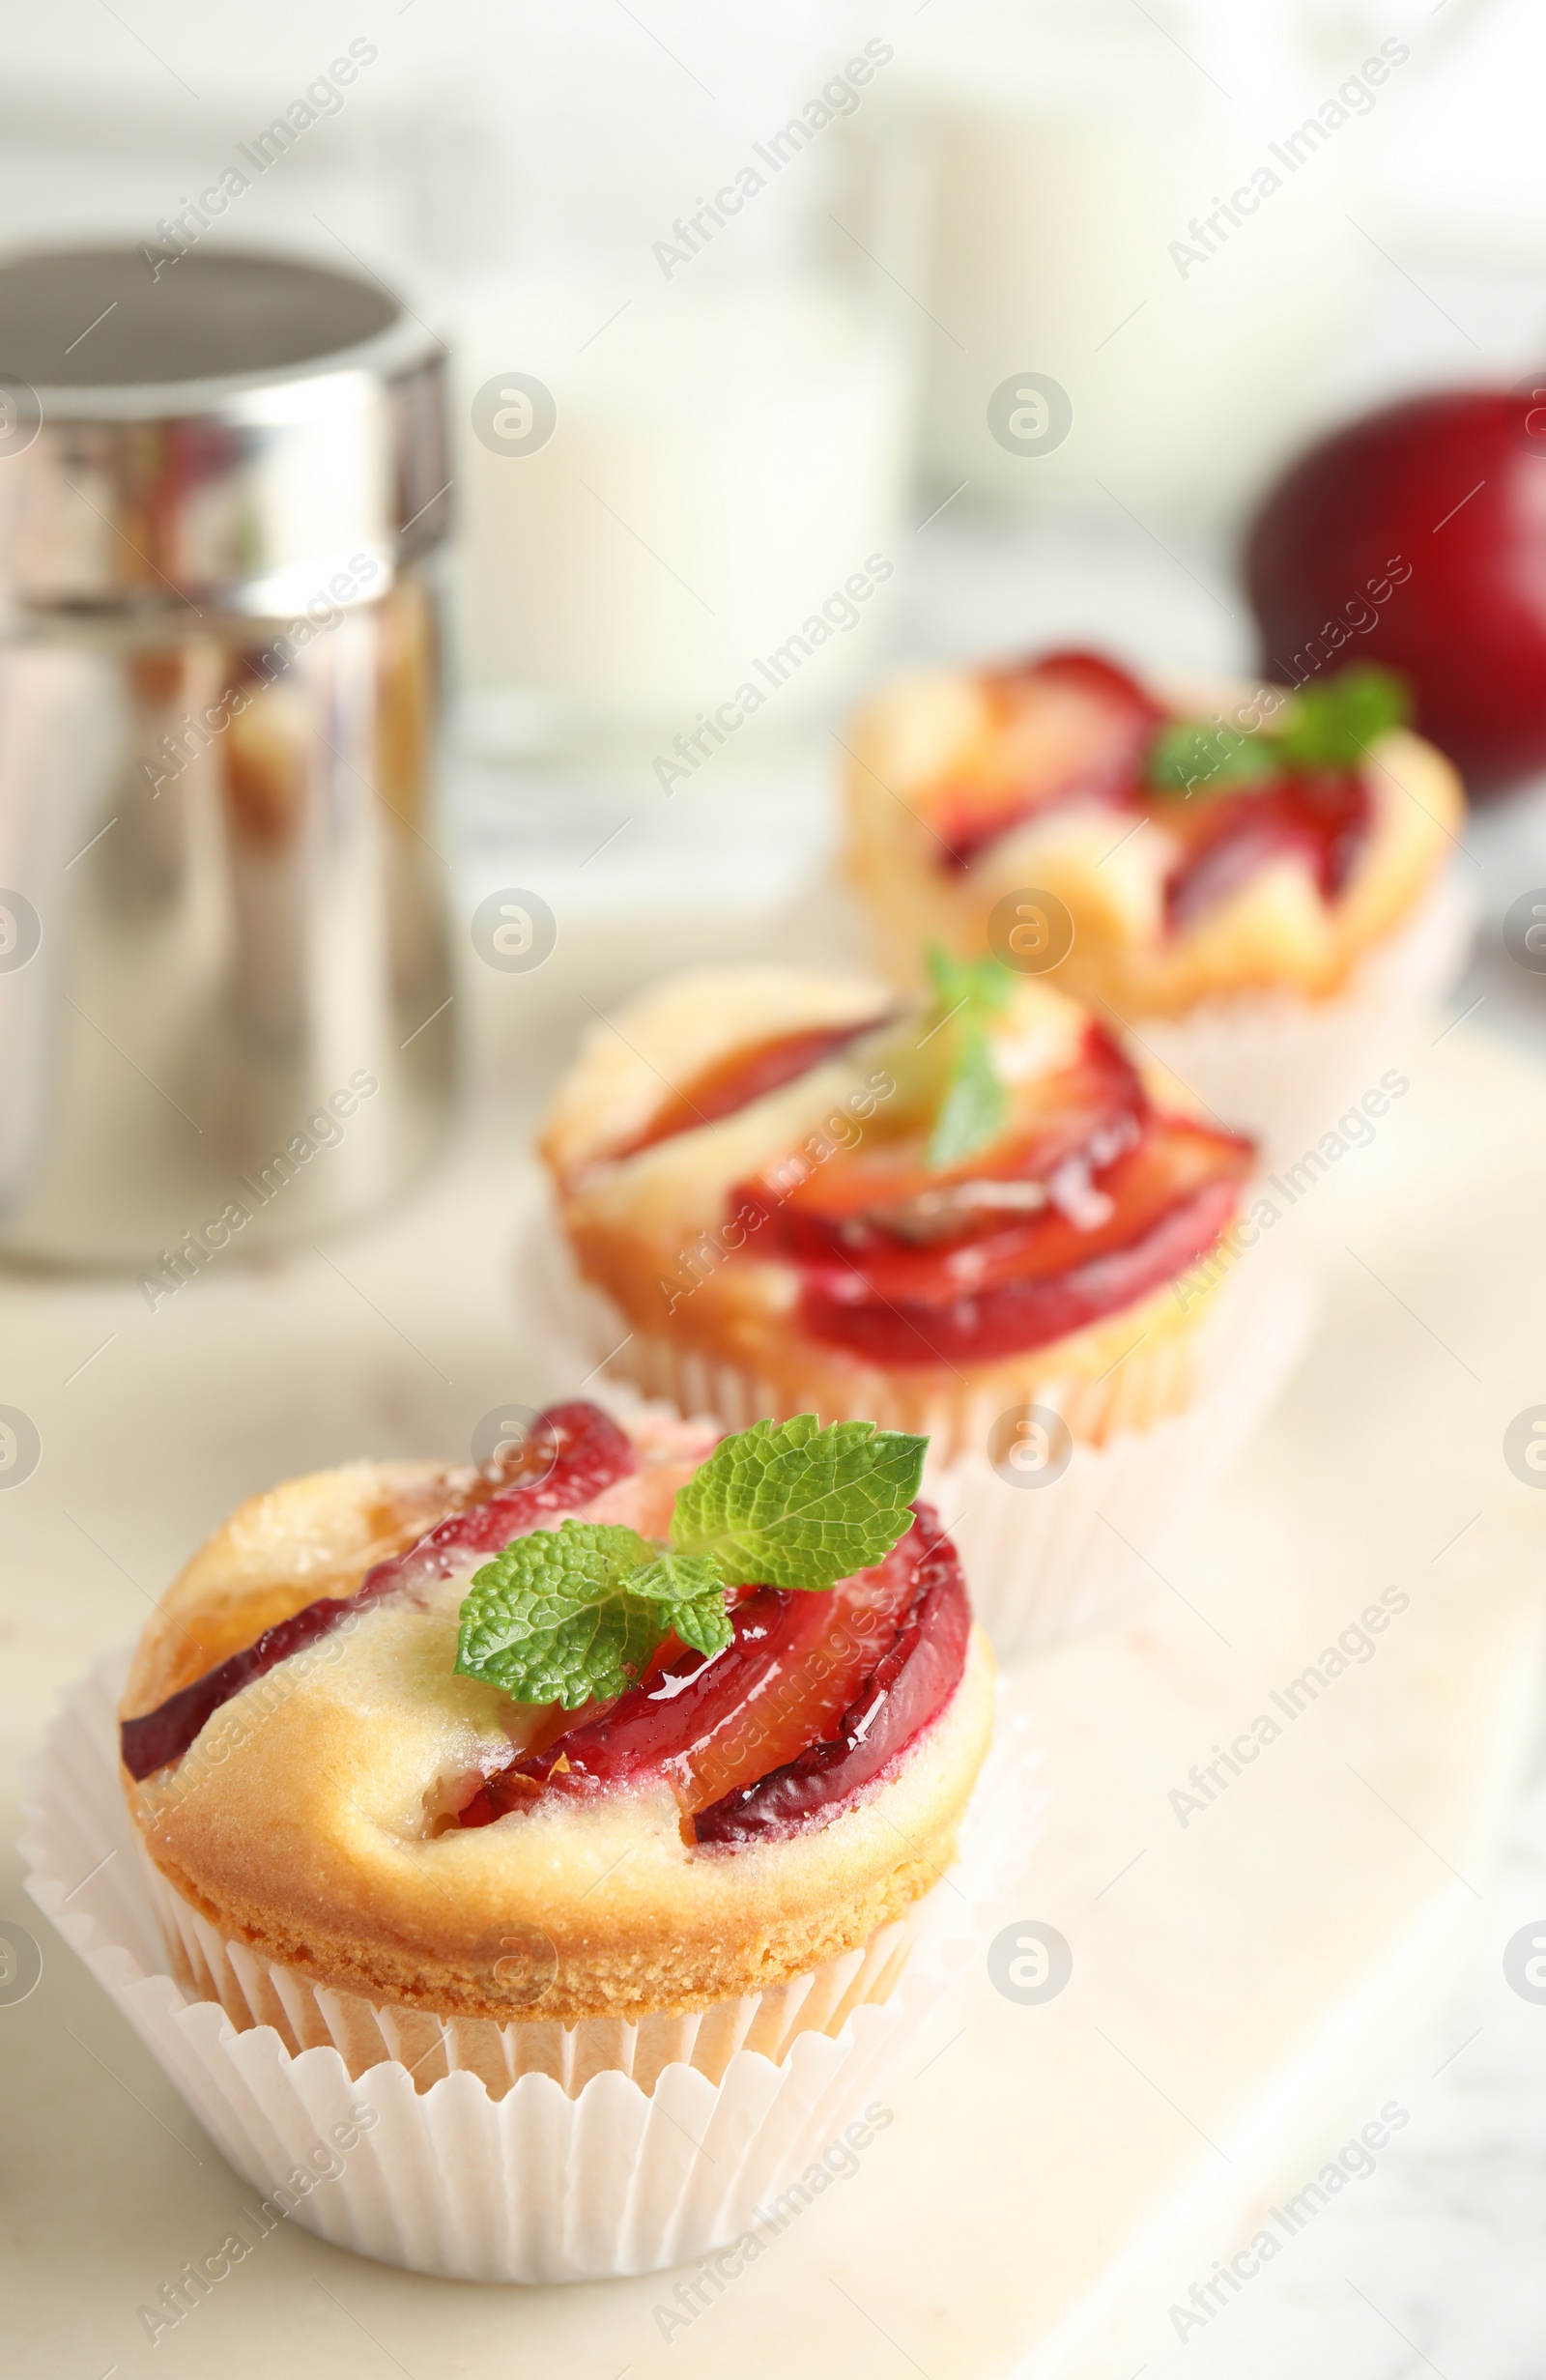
1091	1201
711	1727
907	1687
883	1190
1068	727
732	1082
1322	816
1049	1281
589	1451
1110	1207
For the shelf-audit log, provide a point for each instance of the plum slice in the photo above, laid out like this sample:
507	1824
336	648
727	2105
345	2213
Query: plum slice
1324	816
1071	726
1090	1200
817	1689
588	1453
907	1687
732	1082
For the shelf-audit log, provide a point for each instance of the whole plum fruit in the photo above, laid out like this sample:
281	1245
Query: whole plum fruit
1416	536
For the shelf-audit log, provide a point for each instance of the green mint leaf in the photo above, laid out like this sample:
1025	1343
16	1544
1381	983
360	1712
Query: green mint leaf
973	983
971	1115
787	1504
1332	725
687	1592
1194	756
974	1103
551	1618
572	1615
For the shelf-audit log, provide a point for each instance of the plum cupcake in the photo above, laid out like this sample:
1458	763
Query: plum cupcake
977	1216
1254	881
629	1758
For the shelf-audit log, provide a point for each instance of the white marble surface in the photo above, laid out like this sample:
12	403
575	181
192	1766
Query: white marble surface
1433	2263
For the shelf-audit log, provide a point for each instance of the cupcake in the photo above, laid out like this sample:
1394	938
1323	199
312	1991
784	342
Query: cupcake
1253	882
629	1753
977	1216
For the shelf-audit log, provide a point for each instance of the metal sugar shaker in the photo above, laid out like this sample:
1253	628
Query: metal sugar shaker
226	997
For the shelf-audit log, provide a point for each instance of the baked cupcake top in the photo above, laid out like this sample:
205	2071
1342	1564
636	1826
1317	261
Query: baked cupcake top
770	1163
700	1716
1202	840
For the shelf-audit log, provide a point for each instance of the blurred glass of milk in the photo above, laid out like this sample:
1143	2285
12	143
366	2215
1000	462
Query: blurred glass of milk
716	505
685	432
1129	207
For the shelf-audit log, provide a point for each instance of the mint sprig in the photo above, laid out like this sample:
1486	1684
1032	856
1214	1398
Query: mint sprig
787	1504
1330	725
981	984
572	1615
687	1590
971	1113
1189	754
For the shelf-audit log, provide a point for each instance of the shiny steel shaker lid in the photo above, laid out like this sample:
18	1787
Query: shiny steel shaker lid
219	430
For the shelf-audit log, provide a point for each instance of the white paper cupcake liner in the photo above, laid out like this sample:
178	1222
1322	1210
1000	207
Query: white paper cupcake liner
582	1322
1283	1067
1046	1562
307	2016
535	2182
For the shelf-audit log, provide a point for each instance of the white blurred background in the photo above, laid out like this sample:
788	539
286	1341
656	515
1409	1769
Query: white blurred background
758	395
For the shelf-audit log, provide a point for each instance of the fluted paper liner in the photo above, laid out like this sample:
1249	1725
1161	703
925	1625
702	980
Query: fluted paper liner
1042	1564
1047	1562
307	2016
506	2167
1283	1067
